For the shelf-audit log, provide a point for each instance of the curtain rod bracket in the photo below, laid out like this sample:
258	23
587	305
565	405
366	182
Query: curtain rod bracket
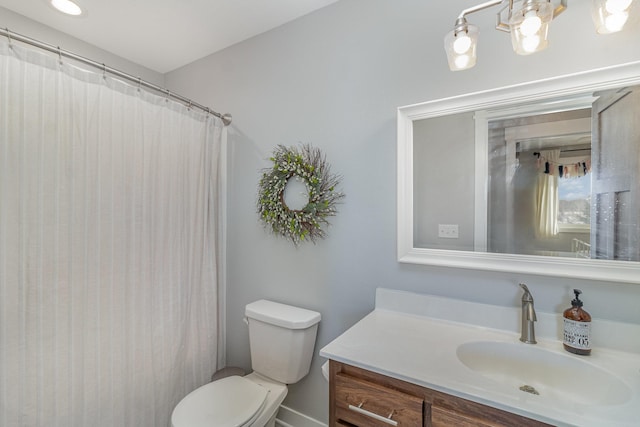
9	38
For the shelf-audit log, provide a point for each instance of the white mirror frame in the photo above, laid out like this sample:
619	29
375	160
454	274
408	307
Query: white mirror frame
570	86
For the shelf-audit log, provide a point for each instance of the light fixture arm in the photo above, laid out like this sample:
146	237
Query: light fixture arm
500	23
480	7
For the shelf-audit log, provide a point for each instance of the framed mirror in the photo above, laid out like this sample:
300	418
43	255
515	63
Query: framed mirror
537	178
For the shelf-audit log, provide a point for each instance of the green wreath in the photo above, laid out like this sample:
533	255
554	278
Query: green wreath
309	165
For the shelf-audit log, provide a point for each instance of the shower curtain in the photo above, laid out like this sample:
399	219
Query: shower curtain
546	197
109	247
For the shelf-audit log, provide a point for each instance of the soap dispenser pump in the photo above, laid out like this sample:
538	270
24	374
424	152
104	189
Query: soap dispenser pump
577	327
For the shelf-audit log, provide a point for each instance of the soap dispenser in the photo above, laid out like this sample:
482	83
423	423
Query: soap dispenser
577	327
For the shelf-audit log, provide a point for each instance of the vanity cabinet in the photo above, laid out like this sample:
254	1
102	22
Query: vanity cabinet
362	398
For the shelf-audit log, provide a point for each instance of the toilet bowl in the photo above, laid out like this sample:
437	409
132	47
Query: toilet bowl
281	338
252	400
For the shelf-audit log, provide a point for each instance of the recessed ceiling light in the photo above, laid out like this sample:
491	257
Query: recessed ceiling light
67	6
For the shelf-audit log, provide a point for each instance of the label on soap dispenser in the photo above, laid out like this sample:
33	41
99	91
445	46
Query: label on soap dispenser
577	334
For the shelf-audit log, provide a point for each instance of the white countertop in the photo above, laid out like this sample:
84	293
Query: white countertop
409	337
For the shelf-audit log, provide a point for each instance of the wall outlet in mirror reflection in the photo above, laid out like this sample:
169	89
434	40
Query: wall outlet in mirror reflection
448	231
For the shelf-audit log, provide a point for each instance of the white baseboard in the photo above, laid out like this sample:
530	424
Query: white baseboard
288	417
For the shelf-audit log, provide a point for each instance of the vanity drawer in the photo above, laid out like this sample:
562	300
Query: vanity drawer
449	411
444	418
367	404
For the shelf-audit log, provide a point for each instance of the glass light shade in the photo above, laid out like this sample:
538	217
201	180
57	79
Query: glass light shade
460	46
530	27
67	6
614	6
609	16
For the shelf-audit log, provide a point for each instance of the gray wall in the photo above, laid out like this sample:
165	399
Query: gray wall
334	79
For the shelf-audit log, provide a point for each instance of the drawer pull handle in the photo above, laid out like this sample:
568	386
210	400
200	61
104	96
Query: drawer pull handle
386	420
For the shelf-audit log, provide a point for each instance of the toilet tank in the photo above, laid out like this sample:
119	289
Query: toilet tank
282	338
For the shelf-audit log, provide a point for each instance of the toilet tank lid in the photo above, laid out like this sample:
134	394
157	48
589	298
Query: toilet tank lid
286	316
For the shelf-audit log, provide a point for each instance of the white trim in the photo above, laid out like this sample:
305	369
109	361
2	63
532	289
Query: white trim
509	98
405	183
288	417
481	183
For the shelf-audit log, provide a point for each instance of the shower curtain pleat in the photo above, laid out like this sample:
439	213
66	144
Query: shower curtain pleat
109	248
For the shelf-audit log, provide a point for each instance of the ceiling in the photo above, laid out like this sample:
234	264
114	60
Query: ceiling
163	35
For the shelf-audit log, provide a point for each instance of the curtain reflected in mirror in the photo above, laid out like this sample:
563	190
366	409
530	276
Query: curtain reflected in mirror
546	194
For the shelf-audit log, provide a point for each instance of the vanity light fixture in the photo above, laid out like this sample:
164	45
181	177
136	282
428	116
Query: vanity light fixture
529	26
528	23
609	16
460	45
67	6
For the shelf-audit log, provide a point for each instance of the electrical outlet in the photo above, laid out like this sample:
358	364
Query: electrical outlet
448	231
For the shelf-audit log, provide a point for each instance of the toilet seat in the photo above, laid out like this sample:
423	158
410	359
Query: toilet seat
232	402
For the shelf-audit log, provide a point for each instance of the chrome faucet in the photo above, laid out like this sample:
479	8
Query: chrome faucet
528	334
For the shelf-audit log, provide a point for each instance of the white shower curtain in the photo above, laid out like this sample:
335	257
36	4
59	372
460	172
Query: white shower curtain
546	196
109	248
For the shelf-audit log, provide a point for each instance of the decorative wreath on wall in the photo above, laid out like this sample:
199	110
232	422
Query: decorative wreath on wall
309	165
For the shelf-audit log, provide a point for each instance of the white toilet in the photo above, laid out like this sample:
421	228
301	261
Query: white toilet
282	338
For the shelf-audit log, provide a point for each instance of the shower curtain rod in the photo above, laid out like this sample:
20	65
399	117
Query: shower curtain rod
226	118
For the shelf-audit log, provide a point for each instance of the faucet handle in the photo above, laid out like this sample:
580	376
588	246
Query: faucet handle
527	295
527	299
524	288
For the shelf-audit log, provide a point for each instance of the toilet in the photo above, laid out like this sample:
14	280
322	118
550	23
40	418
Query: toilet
281	338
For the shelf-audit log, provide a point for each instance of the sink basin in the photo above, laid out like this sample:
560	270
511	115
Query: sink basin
538	371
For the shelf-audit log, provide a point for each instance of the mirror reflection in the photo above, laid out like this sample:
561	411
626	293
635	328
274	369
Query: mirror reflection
558	178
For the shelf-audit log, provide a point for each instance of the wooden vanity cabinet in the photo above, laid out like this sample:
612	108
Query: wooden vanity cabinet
362	398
